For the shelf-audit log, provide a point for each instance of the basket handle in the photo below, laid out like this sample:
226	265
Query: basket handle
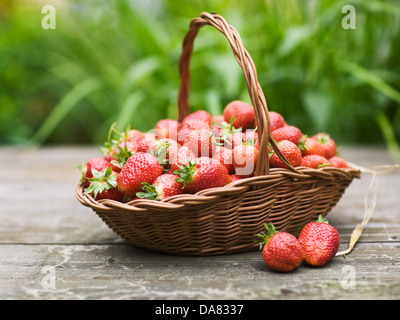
249	71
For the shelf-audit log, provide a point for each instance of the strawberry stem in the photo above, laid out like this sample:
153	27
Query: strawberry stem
185	172
325	165
265	237
122	155
149	193
161	152
101	181
322	220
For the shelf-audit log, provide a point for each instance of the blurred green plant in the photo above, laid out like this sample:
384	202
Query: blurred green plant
117	61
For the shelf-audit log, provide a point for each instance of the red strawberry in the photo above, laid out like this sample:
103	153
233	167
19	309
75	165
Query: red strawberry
201	142
224	155
165	150
117	139
140	167
319	242
189	126
291	152
202	174
250	137
134	136
167	128
276	121
338	162
103	185
315	161
309	145
281	251
149	139
235	139
163	187
201	115
243	113
244	159
182	157
328	143
223	131
122	153
96	163
290	133
235	177
218	119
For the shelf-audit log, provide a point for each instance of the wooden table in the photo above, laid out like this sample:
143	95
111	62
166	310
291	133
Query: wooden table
52	247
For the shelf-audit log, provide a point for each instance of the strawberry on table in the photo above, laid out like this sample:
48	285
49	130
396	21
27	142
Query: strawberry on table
319	242
202	174
291	152
140	167
163	187
242	112
281	251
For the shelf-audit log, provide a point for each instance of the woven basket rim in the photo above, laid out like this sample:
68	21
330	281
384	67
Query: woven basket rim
209	195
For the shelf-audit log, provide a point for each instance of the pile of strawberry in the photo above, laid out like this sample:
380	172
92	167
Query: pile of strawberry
201	152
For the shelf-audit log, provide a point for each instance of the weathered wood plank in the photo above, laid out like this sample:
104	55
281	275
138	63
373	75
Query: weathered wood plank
125	272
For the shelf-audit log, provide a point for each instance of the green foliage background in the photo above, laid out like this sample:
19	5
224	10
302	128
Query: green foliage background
117	60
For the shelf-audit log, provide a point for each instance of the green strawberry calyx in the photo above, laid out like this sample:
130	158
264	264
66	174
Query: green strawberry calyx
265	237
186	172
149	192
321	219
82	169
101	181
122	155
227	129
302	143
323	138
114	137
161	152
250	141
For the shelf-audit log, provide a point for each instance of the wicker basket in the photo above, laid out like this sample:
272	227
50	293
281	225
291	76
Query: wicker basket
225	220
